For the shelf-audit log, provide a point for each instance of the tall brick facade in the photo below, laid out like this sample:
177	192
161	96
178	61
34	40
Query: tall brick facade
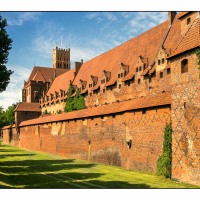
186	119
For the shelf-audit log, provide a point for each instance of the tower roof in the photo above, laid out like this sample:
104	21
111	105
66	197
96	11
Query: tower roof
44	73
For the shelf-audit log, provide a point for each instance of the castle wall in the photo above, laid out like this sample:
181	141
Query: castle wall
10	136
104	139
186	119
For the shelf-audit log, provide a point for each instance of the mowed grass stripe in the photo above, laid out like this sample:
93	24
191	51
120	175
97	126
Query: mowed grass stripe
21	168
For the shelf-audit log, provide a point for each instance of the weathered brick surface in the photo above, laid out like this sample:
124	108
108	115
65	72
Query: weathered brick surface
186	120
104	139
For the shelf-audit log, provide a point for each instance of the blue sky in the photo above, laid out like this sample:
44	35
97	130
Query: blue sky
88	34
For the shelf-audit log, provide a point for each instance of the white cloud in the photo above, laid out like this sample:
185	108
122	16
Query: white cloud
110	16
13	91
19	18
143	21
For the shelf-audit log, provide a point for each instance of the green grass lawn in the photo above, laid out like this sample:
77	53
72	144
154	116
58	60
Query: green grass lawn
20	168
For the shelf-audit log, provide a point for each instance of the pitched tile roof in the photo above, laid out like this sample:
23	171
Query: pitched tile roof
61	82
190	40
138	103
44	73
28	107
130	75
145	44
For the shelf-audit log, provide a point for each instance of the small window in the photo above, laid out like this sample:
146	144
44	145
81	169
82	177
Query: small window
158	62
184	66
102	81
140	69
137	69
122	75
138	81
168	71
188	21
104	90
120	86
128	83
161	74
163	60
150	79
118	75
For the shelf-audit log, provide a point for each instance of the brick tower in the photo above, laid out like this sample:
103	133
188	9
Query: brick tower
61	58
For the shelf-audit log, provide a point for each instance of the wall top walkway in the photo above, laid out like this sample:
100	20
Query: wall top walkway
139	103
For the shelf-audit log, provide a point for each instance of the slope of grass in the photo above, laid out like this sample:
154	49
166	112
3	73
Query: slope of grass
28	169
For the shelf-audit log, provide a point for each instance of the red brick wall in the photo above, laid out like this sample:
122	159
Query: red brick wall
10	136
186	120
6	136
107	136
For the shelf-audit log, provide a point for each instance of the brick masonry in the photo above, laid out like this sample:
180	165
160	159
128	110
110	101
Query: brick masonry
104	139
186	120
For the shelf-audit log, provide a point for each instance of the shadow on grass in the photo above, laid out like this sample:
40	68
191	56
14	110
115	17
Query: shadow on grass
11	155
53	174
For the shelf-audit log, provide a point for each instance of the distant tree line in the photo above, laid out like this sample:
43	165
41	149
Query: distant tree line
7	117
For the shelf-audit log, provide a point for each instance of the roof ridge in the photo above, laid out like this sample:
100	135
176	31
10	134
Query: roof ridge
134	37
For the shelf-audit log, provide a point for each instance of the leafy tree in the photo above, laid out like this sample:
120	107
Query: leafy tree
10	114
5	46
7	117
79	102
74	103
2	117
69	101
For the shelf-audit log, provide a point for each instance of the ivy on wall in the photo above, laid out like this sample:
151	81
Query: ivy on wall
74	103
198	56
164	163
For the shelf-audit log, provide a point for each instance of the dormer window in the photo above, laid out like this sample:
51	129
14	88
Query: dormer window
188	21
102	81
158	62
163	60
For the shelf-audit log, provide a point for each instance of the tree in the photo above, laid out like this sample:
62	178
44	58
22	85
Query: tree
10	114
7	117
2	117
5	46
74	103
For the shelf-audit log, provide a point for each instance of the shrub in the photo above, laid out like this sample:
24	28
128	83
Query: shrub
165	160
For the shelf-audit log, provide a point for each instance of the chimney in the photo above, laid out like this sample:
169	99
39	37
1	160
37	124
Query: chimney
171	16
77	66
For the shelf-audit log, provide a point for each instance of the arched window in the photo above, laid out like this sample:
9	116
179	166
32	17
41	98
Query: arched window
184	66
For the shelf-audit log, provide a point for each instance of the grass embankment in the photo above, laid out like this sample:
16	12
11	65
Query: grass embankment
27	169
